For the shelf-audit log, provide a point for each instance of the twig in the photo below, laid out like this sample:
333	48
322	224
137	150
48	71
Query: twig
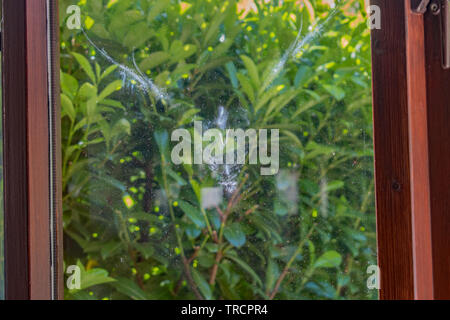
187	273
194	255
214	269
178	286
235	198
185	261
288	265
248	212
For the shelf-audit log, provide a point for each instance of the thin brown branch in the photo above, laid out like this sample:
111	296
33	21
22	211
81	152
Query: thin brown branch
248	212
177	288
191	282
212	279
220	212
194	255
288	265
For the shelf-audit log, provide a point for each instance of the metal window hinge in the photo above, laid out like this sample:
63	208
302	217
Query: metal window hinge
439	8
422	7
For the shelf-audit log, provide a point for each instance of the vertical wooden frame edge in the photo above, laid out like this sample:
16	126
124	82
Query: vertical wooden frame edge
419	160
438	141
15	165
26	150
429	135
38	149
390	118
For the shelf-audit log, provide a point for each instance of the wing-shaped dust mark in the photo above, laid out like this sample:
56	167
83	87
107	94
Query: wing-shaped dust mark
142	81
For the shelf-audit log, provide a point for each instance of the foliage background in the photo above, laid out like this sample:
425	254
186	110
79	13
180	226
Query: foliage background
134	222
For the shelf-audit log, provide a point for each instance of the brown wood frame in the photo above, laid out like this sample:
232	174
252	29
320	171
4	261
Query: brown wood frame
412	145
392	186
429	113
32	206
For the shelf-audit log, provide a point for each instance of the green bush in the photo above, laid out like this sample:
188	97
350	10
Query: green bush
133	220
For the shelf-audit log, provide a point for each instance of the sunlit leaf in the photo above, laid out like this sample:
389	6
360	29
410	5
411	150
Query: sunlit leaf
235	235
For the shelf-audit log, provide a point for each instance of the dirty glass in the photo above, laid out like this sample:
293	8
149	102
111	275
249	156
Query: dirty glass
217	149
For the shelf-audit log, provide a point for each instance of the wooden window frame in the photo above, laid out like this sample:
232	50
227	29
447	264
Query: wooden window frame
32	207
411	137
412	143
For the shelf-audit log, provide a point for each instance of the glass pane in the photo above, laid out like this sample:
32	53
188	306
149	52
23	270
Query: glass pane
217	149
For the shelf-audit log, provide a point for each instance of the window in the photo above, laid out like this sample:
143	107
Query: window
158	204
224	150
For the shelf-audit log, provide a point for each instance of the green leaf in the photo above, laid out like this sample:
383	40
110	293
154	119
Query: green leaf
108	71
193	214
192	231
330	259
97	70
110	88
272	274
153	60
176	177
113	103
111	181
335	91
179	51
315	150
137	35
123	125
234	235
87	91
93	277
69	85
85	65
278	103
130	288
100	31
213	28
83	295
196	187
181	70
308	105
67	107
91	107
252	71
244	266
162	140
334	185
212	247
187	117
246	87
110	248
280	208
145	249
233	74
303	74
265	97
122	21
157	8
203	286
213	64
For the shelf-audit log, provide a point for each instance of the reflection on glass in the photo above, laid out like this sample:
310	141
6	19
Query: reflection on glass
217	149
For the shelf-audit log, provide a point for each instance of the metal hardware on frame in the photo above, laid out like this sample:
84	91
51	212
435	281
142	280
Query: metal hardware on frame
442	8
